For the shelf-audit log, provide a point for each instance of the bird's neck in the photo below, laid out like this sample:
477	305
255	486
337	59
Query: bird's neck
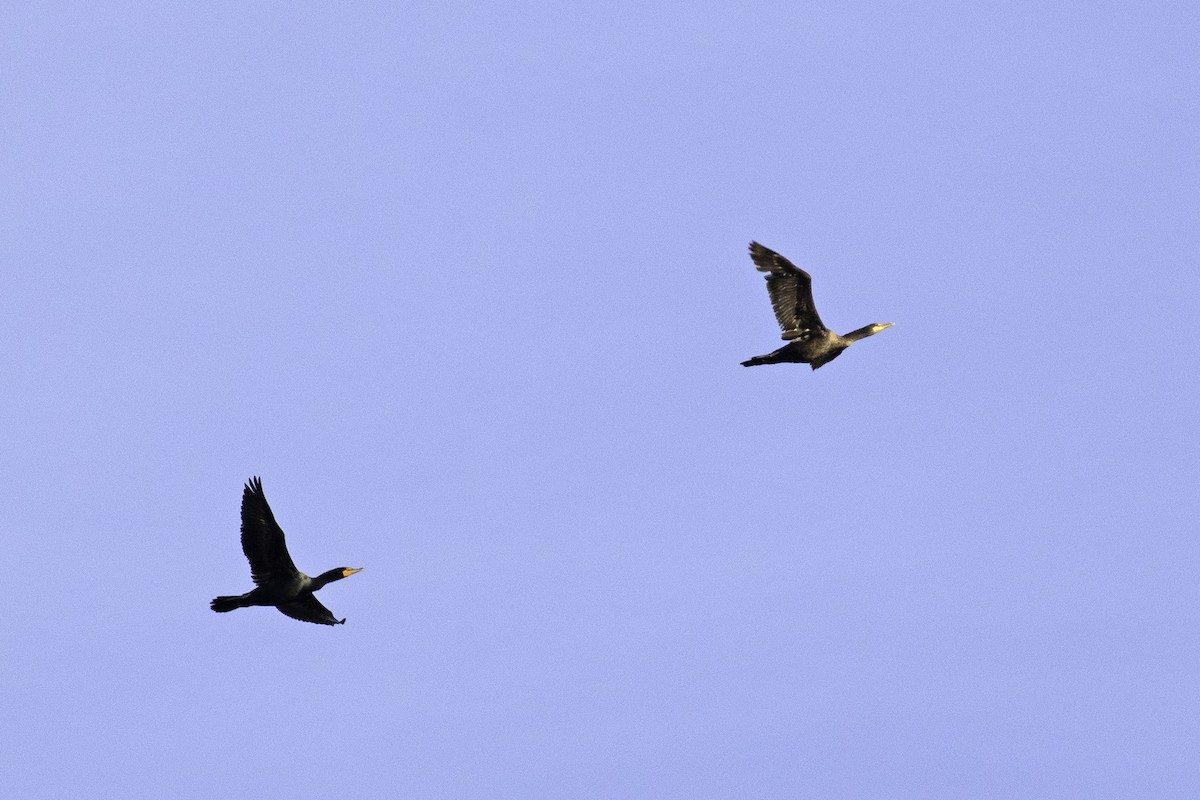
326	577
862	333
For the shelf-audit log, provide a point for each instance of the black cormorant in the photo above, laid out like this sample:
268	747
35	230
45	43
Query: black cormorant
277	582
808	340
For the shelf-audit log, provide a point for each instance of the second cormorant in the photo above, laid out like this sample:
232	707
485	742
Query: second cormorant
808	340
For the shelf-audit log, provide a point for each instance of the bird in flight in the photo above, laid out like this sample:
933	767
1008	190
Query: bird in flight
277	582
808	340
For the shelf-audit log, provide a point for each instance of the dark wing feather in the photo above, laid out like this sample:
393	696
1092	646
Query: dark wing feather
308	608
791	292
262	538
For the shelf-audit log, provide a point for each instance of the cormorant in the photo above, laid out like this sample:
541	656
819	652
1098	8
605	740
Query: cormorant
277	582
808	340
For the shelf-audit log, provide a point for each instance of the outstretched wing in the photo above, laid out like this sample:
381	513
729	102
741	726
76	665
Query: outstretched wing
791	292
308	608
262	538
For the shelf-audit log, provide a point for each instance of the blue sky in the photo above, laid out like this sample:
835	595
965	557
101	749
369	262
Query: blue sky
467	285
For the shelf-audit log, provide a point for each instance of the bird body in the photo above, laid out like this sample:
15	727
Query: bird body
816	348
277	581
808	340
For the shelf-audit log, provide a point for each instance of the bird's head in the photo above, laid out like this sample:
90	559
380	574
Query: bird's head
869	330
333	575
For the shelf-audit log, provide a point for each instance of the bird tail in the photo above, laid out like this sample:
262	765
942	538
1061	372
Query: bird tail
228	603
